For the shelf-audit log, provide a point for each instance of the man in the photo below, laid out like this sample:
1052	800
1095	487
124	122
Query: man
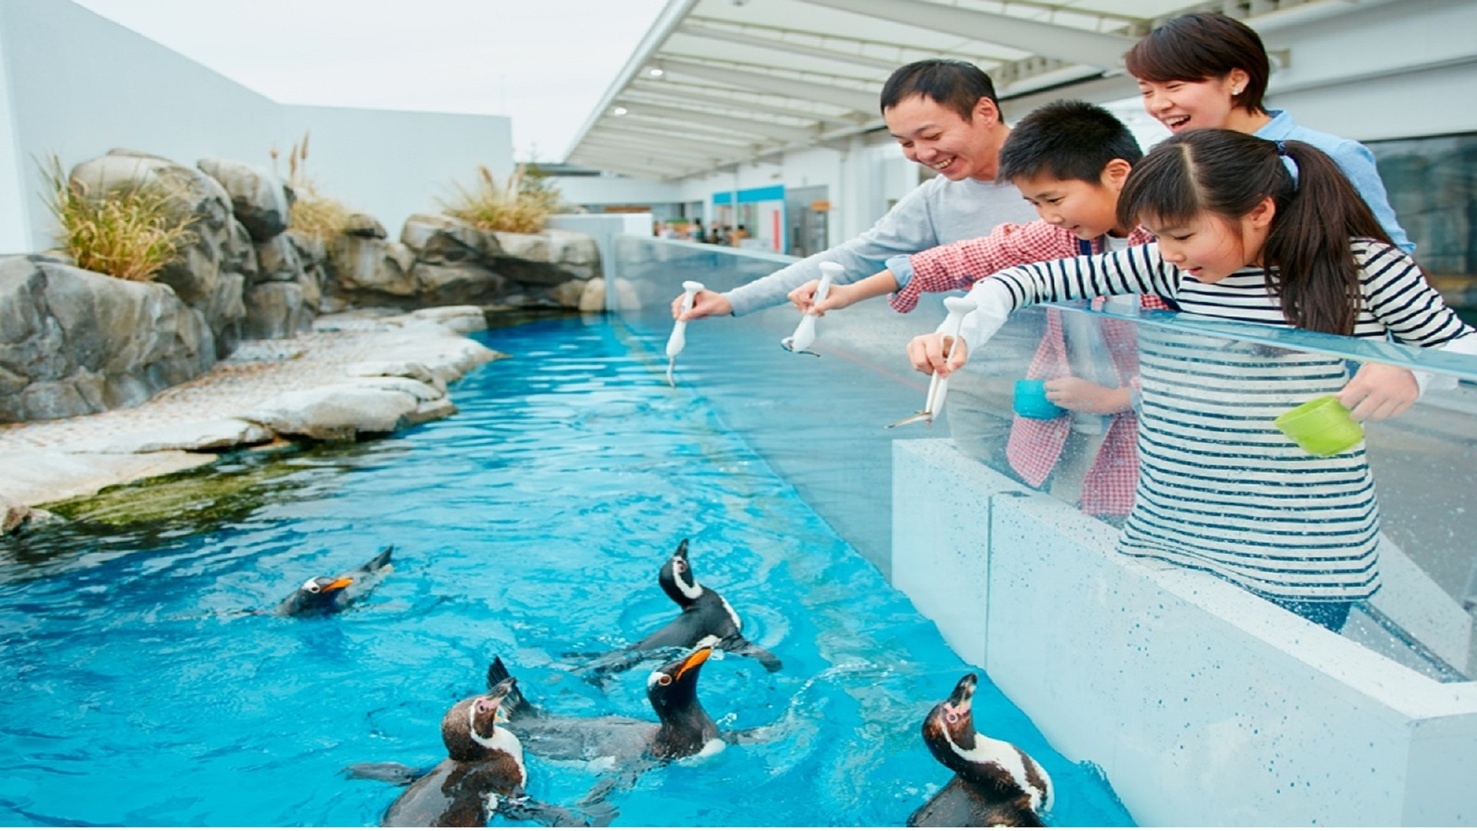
945	117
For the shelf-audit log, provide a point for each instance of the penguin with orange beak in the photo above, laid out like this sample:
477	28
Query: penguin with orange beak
683	727
327	595
995	782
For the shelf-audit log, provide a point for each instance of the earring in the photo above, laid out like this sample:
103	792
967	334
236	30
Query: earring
1236	91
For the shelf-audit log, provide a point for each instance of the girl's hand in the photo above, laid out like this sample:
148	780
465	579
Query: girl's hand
804	296
926	352
1084	396
1379	391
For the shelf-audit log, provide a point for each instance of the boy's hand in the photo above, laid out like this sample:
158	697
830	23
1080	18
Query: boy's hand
1379	391
1086	397
926	352
704	303
804	296
839	297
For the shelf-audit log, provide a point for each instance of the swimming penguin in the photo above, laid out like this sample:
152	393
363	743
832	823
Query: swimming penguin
706	619
995	783
484	762
483	773
326	595
683	727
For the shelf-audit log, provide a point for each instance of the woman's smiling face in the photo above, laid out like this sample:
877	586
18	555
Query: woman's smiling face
1188	105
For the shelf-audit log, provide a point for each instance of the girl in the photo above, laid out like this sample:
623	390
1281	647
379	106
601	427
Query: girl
1258	232
1209	70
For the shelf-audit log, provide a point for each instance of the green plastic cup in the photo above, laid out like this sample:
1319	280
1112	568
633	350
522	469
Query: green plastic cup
1321	427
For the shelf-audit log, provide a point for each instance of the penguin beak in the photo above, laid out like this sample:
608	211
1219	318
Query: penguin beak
963	695
494	697
694	660
338	584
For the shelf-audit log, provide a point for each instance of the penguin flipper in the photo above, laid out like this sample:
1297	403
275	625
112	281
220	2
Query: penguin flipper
608	663
738	645
518	706
526	809
380	560
392	772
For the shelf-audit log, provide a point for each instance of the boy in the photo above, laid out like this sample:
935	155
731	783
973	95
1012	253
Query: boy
1069	159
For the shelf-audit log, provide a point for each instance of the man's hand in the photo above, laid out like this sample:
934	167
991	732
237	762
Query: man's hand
704	304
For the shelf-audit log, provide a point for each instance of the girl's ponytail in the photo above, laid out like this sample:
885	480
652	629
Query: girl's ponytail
1308	243
1317	212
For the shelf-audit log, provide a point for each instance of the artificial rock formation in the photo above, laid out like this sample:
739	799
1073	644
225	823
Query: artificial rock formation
74	342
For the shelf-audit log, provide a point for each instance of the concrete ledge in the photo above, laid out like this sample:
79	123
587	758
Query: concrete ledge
1203	704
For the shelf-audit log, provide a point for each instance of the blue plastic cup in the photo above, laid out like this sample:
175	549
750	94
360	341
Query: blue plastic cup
1031	402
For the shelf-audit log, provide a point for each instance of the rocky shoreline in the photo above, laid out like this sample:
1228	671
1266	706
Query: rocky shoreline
361	373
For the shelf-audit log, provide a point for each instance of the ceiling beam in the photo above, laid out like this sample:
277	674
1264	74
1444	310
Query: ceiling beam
639	145
737	125
702	95
794	88
699	31
668	130
643	166
656	136
1064	42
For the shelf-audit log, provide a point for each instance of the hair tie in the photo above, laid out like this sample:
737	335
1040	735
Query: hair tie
1288	162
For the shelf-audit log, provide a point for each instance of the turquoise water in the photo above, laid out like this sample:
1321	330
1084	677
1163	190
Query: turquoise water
530	524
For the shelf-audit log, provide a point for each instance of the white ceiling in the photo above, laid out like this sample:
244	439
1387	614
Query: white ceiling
721	82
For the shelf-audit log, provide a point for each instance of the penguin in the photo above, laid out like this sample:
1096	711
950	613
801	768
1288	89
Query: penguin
706	619
683	728
483	773
995	782
327	595
484	762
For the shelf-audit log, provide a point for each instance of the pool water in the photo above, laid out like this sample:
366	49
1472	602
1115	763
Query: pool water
138	691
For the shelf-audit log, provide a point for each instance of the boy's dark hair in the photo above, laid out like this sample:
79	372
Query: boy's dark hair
1201	46
1317	212
958	85
1067	140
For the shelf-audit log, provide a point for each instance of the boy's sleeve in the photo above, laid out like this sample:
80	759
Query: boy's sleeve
958	265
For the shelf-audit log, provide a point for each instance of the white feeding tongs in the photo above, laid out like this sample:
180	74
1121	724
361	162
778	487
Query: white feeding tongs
678	339
805	333
938	386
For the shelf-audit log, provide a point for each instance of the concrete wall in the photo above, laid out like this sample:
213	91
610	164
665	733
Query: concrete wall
78	85
1201	703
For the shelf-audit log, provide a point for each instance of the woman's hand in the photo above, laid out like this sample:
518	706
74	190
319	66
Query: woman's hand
927	354
1086	397
1379	391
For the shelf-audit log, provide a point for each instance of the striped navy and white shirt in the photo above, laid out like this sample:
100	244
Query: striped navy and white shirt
1220	487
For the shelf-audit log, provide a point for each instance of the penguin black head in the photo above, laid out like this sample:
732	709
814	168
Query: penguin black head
672	688
686	728
317	595
676	578
470	730
1003	769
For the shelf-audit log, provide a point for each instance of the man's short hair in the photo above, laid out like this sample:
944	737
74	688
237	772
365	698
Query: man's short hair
958	85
